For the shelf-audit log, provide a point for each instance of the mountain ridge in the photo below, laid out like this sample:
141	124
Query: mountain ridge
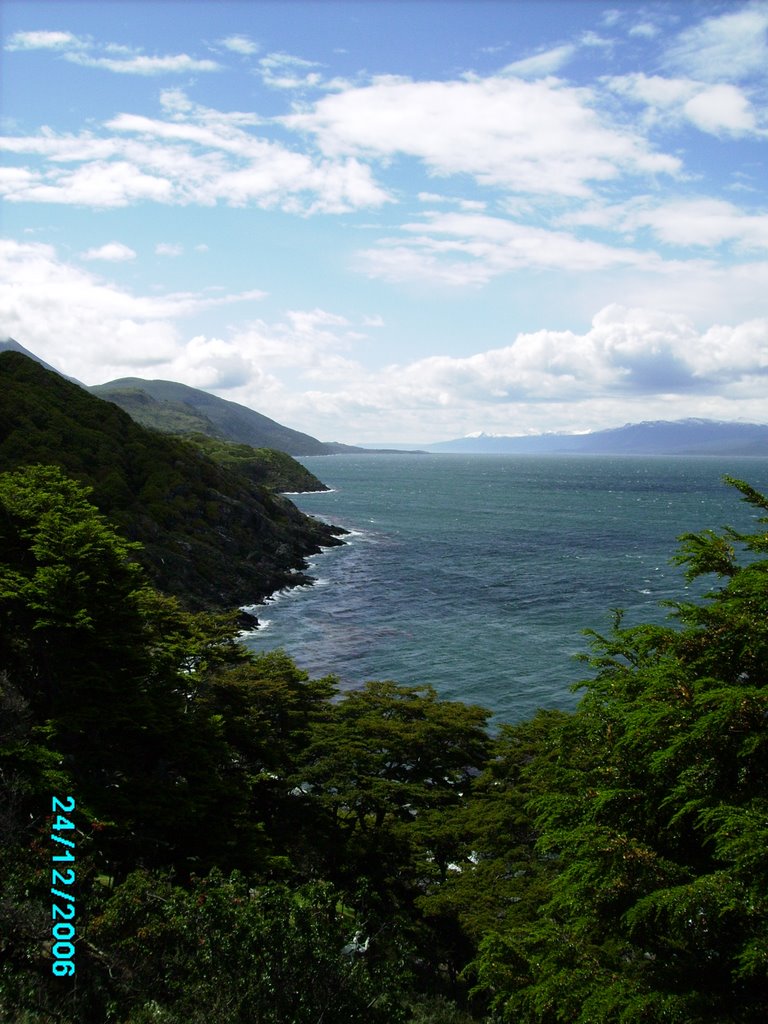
179	409
212	533
206	413
688	436
174	408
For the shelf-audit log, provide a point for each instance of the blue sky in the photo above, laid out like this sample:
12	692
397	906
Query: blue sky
394	221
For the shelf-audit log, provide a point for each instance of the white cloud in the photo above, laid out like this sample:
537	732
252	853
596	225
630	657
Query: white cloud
645	30
541	64
95	184
199	156
595	40
625	351
716	109
284	71
43	40
171	249
139	64
721	109
112	252
82	324
124	59
15	180
470	249
653	90
699	221
538	137
240	44
254	362
305	368
725	47
630	364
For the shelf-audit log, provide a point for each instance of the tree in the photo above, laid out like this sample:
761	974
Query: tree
225	951
107	668
383	758
655	819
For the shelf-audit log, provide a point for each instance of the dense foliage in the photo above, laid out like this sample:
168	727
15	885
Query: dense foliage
266	467
255	848
212	534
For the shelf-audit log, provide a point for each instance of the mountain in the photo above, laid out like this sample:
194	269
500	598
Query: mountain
179	409
212	533
11	345
657	437
173	408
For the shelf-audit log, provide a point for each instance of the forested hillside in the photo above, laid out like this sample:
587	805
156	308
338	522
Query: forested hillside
179	409
243	845
213	530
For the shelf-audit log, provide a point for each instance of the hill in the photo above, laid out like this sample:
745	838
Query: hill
658	437
179	409
11	345
213	532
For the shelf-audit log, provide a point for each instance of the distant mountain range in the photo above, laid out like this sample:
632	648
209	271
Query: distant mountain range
656	437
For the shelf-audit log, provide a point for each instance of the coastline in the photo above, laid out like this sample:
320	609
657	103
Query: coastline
297	575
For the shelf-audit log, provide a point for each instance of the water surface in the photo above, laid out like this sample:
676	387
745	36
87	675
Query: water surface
477	574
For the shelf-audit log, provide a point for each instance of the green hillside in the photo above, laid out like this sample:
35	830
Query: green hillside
213	532
178	409
264	466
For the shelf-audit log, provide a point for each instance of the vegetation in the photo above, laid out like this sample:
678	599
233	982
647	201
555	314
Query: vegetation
213	531
178	409
265	467
253	846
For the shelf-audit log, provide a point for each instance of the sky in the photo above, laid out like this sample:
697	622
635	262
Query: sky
394	221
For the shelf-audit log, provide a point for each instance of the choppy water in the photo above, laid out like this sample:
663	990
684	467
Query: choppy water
477	574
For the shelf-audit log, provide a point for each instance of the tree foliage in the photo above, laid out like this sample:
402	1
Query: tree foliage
653	823
254	845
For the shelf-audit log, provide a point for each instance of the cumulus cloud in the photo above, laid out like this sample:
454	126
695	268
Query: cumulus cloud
195	155
541	137
77	321
112	252
630	363
625	351
305	368
721	109
645	30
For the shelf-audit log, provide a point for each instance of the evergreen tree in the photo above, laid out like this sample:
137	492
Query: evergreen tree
654	820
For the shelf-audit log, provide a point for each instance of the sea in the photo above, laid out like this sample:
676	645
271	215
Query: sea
479	574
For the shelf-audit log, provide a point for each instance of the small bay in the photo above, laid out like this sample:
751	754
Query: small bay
478	574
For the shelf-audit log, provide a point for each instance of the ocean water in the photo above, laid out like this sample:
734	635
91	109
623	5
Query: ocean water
478	574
